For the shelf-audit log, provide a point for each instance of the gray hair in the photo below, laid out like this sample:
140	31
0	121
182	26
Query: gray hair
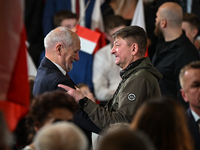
59	34
62	136
191	65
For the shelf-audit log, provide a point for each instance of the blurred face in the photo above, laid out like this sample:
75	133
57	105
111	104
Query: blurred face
192	88
70	54
157	30
189	31
122	52
69	23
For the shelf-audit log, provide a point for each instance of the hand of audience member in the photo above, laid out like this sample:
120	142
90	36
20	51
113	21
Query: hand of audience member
76	93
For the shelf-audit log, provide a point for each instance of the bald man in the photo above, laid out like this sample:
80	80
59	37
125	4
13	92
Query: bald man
174	50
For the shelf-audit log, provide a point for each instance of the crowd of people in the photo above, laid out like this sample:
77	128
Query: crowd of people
127	99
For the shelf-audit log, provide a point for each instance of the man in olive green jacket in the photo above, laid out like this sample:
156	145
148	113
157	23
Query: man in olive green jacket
139	80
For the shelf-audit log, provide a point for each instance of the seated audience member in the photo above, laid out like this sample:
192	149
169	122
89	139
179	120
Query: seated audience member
86	91
163	120
50	107
190	25
5	135
60	136
106	76
125	139
190	83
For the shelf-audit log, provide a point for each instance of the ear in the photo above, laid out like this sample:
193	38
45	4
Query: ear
194	32
163	23
184	95
134	48
58	48
36	126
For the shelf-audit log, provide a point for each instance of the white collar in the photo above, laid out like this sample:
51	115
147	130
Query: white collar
195	115
60	68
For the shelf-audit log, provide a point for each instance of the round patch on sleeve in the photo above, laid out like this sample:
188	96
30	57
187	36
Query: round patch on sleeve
131	97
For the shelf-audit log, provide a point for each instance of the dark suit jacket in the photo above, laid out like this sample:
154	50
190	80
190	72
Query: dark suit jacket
47	79
82	70
193	127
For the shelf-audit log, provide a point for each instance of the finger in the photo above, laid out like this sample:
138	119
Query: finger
67	88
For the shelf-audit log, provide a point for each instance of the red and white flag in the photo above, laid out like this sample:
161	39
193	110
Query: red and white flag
14	89
88	38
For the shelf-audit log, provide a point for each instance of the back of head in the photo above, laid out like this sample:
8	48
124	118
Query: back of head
133	34
125	139
173	13
192	19
5	135
44	104
165	123
63	14
113	21
60	136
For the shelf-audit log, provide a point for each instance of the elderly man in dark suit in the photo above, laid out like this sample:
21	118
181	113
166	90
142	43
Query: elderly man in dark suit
190	83
61	50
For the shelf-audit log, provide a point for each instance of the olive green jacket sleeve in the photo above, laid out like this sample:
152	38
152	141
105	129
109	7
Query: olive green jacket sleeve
123	107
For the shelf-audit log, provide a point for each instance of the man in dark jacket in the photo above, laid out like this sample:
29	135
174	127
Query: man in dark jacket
139	80
62	49
174	49
190	83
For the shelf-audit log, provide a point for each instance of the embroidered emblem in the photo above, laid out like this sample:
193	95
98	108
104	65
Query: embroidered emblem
131	97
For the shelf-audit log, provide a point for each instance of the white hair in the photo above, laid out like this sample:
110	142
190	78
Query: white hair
62	136
59	34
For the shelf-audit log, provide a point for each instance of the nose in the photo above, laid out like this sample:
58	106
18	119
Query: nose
113	50
77	57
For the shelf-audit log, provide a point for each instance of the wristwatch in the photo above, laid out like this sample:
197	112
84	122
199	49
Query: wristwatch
82	103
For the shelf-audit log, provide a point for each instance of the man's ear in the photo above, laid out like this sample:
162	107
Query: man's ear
36	126
58	48
134	48
184	95
163	23
194	32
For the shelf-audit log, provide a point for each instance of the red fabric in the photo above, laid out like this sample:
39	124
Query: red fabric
147	53
77	7
102	41
17	103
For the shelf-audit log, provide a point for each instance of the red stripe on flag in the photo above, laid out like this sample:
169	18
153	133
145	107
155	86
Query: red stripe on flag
19	86
87	34
17	103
